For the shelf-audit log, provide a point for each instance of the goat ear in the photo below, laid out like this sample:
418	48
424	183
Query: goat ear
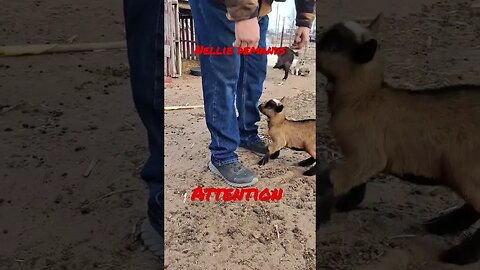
365	52
279	108
375	25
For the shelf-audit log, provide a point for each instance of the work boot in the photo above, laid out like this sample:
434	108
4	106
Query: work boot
151	230
259	148
152	240
235	174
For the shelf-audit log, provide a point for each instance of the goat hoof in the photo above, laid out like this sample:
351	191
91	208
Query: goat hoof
438	227
310	172
307	162
453	222
303	163
325	204
275	155
263	161
468	251
460	255
352	199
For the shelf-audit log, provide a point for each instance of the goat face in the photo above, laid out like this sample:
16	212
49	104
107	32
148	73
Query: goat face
272	108
346	46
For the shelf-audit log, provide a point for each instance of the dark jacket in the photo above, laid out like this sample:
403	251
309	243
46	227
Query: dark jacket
238	10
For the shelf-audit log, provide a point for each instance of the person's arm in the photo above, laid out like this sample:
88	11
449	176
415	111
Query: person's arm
244	13
305	13
304	20
239	10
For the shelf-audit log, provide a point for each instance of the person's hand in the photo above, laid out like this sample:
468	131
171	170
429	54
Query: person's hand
247	33
302	35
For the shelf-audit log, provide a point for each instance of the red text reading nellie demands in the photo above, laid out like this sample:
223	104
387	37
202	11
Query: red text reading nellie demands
241	51
237	194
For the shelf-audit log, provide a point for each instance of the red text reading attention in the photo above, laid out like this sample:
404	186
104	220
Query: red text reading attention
238	194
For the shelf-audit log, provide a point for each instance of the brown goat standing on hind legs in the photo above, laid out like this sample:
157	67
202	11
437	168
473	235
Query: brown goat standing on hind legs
429	136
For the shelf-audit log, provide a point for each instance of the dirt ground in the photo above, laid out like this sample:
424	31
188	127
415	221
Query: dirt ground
427	43
75	108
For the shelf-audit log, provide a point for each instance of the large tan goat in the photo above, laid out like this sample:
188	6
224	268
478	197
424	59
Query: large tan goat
431	136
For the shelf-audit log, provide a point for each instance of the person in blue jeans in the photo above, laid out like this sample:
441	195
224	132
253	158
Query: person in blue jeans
144	29
235	81
224	80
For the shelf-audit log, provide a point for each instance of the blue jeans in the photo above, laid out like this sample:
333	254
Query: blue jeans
144	28
228	80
